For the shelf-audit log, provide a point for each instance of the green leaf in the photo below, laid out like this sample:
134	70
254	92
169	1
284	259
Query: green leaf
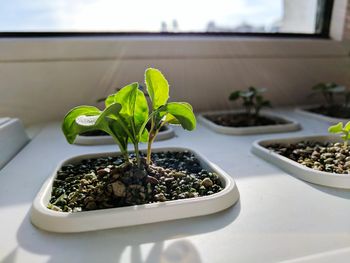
109	100
141	110
319	87
87	118
183	114
118	132
347	127
157	87
111	110
329	87
69	122
127	98
259	99
252	89
187	105
171	119
144	136
134	109
108	121
234	95
336	128
246	94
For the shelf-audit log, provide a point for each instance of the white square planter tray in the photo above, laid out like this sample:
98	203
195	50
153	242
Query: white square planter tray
106	139
290	125
299	170
12	139
54	221
304	111
3	120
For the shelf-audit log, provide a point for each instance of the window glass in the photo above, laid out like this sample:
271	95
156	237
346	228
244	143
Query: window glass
245	16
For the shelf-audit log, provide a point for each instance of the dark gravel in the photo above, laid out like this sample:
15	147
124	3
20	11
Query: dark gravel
108	182
242	120
327	157
337	111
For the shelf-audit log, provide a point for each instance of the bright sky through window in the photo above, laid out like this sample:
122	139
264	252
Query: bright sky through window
158	15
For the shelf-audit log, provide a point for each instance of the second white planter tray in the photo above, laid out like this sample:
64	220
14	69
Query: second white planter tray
106	139
290	125
305	111
12	139
64	222
299	170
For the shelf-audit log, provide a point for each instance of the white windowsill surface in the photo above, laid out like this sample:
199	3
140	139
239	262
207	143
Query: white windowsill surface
278	217
165	47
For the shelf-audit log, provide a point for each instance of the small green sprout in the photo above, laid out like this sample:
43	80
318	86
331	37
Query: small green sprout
328	90
342	129
127	113
253	101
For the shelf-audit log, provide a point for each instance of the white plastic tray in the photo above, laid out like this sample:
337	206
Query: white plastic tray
304	111
3	120
299	170
54	221
106	139
291	124
12	139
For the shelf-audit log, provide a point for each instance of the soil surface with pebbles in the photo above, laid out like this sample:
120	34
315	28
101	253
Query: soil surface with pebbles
336	111
109	182
327	157
242	120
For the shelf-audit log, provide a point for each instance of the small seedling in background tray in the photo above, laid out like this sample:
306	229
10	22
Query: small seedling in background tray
328	90
342	129
253	101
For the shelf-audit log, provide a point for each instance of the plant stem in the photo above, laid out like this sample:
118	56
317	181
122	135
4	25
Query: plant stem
347	135
136	143
149	148
150	141
256	109
138	160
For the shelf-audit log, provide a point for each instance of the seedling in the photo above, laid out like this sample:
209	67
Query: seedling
127	112
253	101
343	130
328	90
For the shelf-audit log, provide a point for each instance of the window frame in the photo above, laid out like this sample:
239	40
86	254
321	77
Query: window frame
323	24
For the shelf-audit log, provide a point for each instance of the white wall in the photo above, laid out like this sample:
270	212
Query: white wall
41	79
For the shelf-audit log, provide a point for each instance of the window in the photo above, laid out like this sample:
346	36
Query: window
155	16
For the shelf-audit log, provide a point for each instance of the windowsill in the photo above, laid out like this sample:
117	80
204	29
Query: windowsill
165	47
